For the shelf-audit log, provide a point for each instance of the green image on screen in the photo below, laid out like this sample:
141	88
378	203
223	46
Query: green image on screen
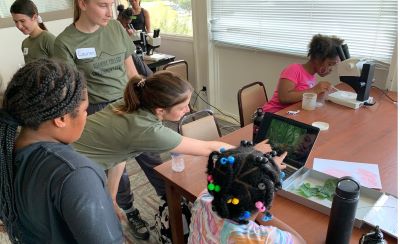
286	137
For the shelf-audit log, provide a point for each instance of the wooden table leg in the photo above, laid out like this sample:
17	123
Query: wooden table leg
175	214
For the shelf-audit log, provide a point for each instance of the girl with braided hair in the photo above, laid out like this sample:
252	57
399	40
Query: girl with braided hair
40	42
241	186
49	192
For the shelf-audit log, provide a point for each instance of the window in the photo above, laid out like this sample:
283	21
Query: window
172	17
369	27
43	6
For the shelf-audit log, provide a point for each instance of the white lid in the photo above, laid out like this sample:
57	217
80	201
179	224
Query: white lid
321	125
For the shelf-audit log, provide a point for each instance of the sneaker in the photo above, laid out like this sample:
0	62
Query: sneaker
138	225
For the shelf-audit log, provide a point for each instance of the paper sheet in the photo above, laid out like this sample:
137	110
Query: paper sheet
366	174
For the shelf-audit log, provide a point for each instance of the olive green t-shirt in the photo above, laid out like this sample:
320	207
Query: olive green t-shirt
109	139
100	56
41	46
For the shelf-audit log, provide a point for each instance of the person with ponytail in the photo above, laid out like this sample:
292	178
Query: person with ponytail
49	192
235	207
40	42
133	125
297	79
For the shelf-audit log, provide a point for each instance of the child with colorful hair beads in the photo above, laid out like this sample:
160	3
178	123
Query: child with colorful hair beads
241	186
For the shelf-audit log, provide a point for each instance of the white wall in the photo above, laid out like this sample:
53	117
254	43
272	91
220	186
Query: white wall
182	48
10	47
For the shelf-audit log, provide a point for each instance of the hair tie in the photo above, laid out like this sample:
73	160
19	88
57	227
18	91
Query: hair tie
39	19
141	83
8	118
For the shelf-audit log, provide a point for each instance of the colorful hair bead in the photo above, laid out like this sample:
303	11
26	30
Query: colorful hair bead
267	217
223	160
209	178
211	186
282	175
261	186
260	206
235	201
231	159
264	160
222	149
217	188
245	215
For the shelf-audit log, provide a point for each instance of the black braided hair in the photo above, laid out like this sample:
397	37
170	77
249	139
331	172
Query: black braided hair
40	91
250	178
322	47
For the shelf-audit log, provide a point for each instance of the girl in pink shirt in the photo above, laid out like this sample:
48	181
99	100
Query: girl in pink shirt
297	79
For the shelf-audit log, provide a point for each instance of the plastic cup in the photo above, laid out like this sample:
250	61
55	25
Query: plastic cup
178	163
321	99
309	101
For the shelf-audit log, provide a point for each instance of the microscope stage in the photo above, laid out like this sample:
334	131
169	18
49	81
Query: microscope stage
347	99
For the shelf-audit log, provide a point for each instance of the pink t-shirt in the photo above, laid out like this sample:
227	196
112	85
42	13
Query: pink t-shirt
299	76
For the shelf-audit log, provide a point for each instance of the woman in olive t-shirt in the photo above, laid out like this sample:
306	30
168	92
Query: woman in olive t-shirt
40	42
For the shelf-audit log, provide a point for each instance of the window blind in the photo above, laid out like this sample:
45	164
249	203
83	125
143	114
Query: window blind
42	5
369	27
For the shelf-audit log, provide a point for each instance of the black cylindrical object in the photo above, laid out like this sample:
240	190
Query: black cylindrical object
373	237
340	53
343	211
257	121
346	52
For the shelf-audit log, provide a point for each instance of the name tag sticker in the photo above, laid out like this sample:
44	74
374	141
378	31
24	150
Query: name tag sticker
84	53
25	51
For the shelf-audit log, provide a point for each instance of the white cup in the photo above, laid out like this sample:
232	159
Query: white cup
321	99
178	164
309	101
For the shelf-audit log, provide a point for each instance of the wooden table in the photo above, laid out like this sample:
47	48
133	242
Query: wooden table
367	135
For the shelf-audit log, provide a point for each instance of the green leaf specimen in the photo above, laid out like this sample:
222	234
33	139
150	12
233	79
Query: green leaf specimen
322	192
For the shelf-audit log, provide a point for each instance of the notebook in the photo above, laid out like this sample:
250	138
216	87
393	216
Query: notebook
289	135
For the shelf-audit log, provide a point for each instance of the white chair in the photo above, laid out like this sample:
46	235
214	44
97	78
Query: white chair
200	125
